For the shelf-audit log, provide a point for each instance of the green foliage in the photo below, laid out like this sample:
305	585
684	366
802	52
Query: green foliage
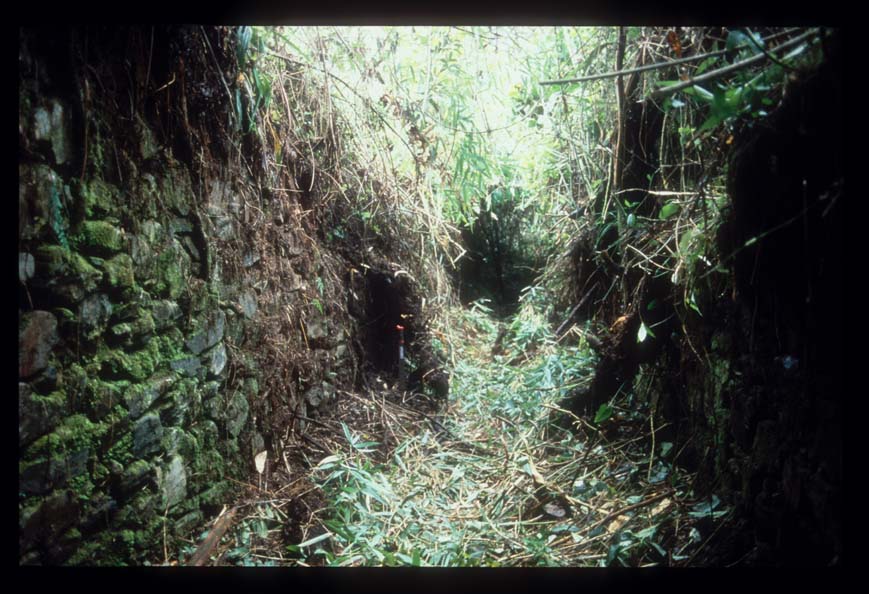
253	95
604	412
749	92
455	120
249	536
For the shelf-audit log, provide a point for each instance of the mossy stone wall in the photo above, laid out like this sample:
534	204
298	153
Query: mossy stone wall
127	428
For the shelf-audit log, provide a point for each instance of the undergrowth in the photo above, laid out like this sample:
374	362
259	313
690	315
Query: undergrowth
497	485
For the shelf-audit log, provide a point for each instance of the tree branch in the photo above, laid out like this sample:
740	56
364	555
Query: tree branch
658	65
731	68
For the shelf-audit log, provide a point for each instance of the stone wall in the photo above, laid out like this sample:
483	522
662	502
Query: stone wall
144	301
124	420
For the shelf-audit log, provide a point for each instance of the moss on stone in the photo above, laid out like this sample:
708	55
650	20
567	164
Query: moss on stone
74	433
119	272
177	441
134	475
122	450
114	548
39	414
98	198
101	396
170	344
171	275
215	494
137	366
99	238
61	456
210	464
236	413
139	512
57	262
81	486
144	324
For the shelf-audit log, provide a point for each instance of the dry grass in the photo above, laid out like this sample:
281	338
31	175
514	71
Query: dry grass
483	484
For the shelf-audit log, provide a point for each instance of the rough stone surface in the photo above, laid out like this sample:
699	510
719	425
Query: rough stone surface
147	433
174	482
247	302
40	197
142	396
50	124
216	360
68	465
187	366
94	313
250	258
37	335
315	329
236	413
26	266
209	335
165	312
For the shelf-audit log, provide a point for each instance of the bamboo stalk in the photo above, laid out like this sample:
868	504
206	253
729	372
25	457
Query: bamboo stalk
731	68
658	65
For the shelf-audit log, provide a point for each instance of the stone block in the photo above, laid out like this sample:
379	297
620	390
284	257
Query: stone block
247	302
209	334
147	433
215	361
37	415
236	413
93	314
100	238
173	482
37	336
51	125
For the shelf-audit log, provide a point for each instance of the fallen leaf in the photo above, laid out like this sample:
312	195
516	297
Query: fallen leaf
661	507
553	509
260	461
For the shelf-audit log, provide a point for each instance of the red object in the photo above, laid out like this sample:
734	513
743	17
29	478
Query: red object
399	327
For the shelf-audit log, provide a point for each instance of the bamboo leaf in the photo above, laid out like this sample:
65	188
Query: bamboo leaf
314	540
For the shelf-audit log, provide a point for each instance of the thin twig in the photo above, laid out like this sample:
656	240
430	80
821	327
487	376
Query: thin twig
626	509
658	65
731	68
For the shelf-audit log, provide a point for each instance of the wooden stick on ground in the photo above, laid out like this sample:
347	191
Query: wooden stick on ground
203	553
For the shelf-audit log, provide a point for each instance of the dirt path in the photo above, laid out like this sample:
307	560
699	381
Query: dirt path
492	481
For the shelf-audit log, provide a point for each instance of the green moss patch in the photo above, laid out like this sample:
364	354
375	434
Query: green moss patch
119	272
98	198
99	238
55	263
137	366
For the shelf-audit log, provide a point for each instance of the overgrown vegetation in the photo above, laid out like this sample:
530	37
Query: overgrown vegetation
495	485
547	212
